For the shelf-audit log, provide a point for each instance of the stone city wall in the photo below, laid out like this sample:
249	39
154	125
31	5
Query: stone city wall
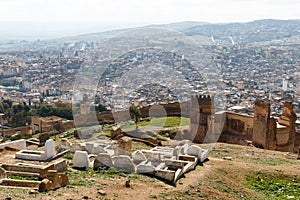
297	142
13	131
159	110
238	124
261	123
47	124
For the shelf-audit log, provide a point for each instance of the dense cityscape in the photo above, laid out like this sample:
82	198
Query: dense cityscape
244	71
188	110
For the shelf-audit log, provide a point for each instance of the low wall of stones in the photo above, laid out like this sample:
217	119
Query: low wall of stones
170	109
13	131
61	126
159	110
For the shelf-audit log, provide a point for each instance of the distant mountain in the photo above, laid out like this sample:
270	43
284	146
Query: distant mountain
243	33
267	30
178	26
101	36
258	32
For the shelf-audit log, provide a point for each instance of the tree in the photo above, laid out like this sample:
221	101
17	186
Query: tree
17	108
60	109
45	110
100	108
134	114
1	108
7	103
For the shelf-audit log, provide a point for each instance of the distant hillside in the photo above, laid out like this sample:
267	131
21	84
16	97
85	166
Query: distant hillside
101	36
227	34
243	33
179	26
260	32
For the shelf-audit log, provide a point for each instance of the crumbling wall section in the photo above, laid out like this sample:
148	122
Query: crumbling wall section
171	109
19	130
261	123
271	135
239	124
201	108
297	142
288	119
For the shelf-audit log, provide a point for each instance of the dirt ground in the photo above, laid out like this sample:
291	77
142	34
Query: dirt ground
223	176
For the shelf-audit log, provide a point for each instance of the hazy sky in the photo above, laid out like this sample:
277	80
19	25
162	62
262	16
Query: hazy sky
113	13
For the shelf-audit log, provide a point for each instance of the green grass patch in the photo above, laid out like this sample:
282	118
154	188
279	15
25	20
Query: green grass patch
111	173
22	178
68	156
20	136
275	187
271	161
168	122
106	129
83	183
164	122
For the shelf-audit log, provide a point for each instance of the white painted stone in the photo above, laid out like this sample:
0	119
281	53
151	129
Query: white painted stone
110	150
195	151
89	147
138	157
78	147
166	174
81	159
177	152
152	155
165	152
103	160
38	155
49	149
65	144
19	144
184	148
124	163
97	150
145	167
204	155
29	155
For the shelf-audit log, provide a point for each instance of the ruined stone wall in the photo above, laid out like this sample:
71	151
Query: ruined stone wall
170	109
85	108
105	117
282	137
65	125
261	123
234	128
288	119
85	120
201	108
48	124
297	142
261	129
271	135
13	131
121	116
36	123
238	124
